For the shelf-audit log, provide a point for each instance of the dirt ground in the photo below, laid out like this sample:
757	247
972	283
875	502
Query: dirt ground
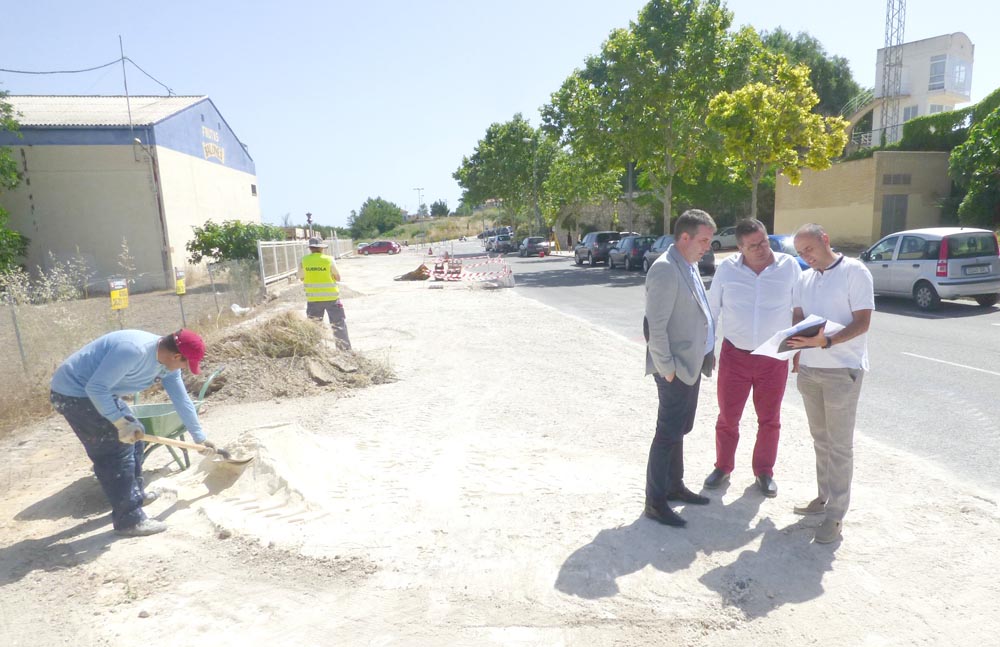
490	495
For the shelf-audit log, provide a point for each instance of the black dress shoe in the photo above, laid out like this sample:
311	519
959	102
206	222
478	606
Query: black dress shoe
664	515
767	486
687	496
716	479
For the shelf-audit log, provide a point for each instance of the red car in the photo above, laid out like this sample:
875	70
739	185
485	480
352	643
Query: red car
380	247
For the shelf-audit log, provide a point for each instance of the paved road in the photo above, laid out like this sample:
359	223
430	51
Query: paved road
934	380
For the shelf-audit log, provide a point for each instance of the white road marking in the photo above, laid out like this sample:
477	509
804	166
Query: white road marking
971	368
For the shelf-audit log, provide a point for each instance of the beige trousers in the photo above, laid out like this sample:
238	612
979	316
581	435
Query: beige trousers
830	396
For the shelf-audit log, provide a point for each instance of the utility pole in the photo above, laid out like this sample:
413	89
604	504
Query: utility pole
420	199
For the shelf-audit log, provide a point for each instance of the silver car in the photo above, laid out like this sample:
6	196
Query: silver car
937	263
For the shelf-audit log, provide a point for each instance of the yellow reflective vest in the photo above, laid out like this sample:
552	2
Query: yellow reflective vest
319	282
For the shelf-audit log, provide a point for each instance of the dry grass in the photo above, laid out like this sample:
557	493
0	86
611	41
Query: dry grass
266	357
285	335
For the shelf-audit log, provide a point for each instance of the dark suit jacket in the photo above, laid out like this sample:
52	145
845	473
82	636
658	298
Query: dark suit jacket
676	323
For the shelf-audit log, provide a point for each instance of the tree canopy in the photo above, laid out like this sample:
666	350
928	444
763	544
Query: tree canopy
232	240
375	217
975	167
13	244
770	126
645	98
509	163
439	208
830	76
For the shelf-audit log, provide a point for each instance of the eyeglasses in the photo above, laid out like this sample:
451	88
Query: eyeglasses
764	244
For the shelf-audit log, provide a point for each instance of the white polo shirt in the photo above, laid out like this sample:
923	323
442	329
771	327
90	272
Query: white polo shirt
751	307
835	295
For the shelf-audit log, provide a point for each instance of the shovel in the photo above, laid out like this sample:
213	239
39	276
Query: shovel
221	453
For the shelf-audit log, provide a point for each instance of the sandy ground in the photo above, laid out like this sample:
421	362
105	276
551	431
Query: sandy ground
492	495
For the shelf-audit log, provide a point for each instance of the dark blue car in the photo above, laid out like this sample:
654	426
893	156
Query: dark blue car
785	243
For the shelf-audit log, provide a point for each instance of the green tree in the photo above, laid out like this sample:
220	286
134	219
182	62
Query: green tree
769	127
232	240
975	167
439	208
645	99
13	244
830	76
508	164
574	181
375	217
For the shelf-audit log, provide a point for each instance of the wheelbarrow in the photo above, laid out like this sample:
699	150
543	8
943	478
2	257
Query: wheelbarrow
161	419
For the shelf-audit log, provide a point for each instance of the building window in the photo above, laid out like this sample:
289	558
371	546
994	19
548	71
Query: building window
909	112
936	108
202	118
936	81
960	75
896	178
253	190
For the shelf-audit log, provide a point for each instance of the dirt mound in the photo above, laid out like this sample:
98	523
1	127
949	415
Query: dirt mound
281	356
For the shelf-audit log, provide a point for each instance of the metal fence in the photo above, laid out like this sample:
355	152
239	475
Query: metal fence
38	336
279	260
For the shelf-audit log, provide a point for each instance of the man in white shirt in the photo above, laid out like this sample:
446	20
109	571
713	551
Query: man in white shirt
751	299
831	368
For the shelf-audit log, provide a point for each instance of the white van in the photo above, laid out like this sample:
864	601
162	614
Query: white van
937	263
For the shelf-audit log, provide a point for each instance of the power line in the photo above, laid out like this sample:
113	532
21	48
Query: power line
91	69
169	91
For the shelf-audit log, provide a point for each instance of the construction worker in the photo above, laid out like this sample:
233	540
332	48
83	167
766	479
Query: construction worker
320	276
87	389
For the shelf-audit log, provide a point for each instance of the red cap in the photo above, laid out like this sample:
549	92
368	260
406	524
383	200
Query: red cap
192	347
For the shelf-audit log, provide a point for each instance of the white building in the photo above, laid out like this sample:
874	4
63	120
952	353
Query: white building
100	169
936	75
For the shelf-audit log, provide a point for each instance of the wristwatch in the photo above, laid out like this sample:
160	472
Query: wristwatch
829	342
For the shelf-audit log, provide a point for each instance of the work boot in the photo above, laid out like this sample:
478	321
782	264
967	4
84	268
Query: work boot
143	528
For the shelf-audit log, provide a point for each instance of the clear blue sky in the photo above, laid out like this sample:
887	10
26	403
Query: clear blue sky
341	101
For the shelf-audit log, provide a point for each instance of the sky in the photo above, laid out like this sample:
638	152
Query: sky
342	101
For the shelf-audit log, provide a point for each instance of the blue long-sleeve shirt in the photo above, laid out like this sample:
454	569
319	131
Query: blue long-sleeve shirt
119	364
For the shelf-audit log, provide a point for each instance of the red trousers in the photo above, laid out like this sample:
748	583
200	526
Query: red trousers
739	371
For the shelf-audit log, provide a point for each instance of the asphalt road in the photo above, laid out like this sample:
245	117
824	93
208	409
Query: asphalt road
933	385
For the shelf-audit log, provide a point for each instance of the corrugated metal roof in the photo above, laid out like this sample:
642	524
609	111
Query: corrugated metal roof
95	110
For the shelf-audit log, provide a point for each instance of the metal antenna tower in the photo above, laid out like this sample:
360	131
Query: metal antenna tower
892	69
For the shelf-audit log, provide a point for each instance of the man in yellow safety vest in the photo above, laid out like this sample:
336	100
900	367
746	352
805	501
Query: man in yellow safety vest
320	276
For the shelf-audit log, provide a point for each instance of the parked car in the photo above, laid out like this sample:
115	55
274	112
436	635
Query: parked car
503	243
937	263
362	246
706	264
786	243
594	247
725	238
533	246
380	247
628	252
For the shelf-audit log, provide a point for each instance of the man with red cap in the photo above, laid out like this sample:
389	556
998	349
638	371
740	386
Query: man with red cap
87	389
